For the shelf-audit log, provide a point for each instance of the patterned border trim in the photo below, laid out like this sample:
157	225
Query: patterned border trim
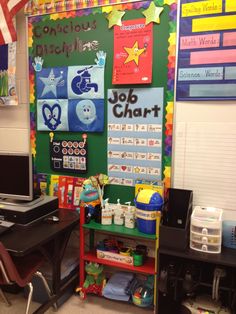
171	70
40	7
170	92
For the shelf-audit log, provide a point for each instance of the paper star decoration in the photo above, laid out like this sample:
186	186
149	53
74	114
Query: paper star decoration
50	83
134	53
152	14
114	18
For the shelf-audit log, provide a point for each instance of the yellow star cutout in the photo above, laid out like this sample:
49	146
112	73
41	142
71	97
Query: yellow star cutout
114	18
134	53
152	14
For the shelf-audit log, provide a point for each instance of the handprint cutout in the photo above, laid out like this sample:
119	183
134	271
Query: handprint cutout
101	58
38	64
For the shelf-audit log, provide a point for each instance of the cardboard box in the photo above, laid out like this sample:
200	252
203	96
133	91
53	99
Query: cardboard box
115	257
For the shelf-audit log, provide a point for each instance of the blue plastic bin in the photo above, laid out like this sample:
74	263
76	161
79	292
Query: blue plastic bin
147	203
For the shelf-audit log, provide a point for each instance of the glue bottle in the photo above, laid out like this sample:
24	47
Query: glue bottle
106	214
129	217
118	214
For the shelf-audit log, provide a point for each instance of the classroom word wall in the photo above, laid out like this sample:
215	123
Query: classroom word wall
207	50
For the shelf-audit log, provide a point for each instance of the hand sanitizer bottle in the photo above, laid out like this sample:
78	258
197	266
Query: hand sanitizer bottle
129	217
106	214
118	214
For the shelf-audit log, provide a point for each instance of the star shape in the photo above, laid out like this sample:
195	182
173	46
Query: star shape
114	18
50	83
133	53
152	14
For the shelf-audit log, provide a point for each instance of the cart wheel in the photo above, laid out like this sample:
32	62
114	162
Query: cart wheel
77	290
104	282
82	295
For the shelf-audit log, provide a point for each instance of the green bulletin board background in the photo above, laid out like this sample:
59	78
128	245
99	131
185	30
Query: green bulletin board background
97	142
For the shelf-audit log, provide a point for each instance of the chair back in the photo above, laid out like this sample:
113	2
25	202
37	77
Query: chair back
8	272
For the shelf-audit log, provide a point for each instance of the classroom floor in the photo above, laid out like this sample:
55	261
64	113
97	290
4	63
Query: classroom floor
74	305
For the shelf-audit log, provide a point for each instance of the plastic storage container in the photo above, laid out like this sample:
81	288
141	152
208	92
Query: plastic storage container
206	229
147	203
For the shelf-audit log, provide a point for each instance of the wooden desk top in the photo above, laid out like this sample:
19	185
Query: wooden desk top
20	240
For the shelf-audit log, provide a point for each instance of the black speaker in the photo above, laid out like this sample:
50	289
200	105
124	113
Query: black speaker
178	207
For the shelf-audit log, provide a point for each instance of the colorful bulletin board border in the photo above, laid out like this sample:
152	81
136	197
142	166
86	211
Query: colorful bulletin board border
207	50
169	90
40	7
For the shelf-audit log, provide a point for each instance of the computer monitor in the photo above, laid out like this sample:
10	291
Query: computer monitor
16	177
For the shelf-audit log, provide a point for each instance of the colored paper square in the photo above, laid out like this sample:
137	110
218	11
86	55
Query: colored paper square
86	115
52	115
51	83
86	82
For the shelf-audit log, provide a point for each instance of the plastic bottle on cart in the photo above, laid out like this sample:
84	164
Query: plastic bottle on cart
129	217
106	214
118	214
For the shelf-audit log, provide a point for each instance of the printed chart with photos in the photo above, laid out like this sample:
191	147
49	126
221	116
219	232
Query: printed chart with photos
68	156
134	133
207	50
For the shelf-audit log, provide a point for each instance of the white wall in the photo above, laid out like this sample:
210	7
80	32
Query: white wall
213	183
14	120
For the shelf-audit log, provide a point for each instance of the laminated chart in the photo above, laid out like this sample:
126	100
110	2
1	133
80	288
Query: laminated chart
134	135
207	50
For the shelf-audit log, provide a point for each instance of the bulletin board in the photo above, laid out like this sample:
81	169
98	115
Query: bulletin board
57	49
207	50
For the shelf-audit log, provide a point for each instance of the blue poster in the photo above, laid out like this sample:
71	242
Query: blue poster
86	115
52	115
51	83
134	135
70	99
85	82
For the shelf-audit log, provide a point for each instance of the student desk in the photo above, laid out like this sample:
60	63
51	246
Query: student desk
51	239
